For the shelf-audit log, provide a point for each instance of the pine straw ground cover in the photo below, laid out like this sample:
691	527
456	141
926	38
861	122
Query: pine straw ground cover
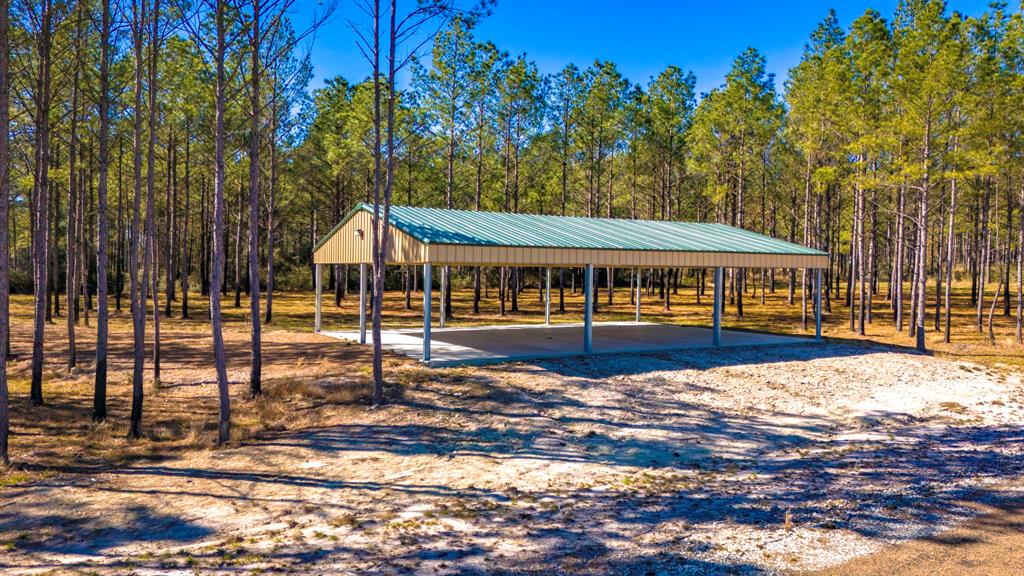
741	460
180	413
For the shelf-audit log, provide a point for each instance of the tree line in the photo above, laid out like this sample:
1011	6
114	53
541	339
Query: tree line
894	146
152	149
145	144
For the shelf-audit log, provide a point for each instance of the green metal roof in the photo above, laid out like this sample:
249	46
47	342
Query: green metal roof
465	227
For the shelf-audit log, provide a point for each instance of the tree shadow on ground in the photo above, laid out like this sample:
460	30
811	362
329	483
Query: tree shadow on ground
631	364
90	536
667	464
754	488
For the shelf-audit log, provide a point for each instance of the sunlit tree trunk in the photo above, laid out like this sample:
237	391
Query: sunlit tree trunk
186	264
170	218
922	239
950	239
256	351
40	198
149	273
138	301
985	252
898	261
73	229
271	199
381	207
238	250
1020	268
5	159
217	275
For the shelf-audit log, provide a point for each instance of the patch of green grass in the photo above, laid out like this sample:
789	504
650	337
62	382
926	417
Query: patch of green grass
15	477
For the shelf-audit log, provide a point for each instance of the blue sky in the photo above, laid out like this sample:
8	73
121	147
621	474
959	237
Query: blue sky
641	36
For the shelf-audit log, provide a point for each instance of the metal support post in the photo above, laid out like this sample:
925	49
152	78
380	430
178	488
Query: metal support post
817	306
717	338
547	299
588	309
427	281
639	273
319	293
362	303
444	293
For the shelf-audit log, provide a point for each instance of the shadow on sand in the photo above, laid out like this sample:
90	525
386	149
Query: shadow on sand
687	464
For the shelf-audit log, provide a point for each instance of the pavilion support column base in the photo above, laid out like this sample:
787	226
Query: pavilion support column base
547	297
588	309
427	285
362	303
639	274
444	297
319	296
817	305
717	314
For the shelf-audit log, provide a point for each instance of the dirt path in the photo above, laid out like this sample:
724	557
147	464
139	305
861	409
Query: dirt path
991	545
729	461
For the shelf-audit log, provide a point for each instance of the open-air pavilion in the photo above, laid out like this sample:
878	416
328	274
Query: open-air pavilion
430	237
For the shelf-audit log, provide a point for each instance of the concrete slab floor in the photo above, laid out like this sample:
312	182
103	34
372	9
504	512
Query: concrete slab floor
496	344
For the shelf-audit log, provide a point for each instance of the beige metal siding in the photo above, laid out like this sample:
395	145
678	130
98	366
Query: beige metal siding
509	256
346	247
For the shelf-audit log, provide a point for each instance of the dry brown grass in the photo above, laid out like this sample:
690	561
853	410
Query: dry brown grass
314	381
306	383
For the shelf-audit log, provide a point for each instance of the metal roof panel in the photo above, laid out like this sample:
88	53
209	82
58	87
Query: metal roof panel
472	228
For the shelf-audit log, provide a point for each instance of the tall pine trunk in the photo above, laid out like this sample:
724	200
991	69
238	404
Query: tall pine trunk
921	272
1020	269
149	273
5	150
138	302
985	253
121	236
41	200
99	404
71	270
238	251
379	233
256	352
271	198
217	274
186	263
950	239
170	221
898	261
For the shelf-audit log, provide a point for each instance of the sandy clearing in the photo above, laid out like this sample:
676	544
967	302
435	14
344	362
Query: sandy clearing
746	461
990	545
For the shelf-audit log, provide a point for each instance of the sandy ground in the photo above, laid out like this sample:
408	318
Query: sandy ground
990	545
746	461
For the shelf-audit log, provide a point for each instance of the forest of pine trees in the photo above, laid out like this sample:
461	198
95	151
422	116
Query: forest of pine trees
895	146
155	148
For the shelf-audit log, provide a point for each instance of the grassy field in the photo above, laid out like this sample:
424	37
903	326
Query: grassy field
303	372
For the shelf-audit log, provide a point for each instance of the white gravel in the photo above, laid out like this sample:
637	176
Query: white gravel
861	446
757	460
